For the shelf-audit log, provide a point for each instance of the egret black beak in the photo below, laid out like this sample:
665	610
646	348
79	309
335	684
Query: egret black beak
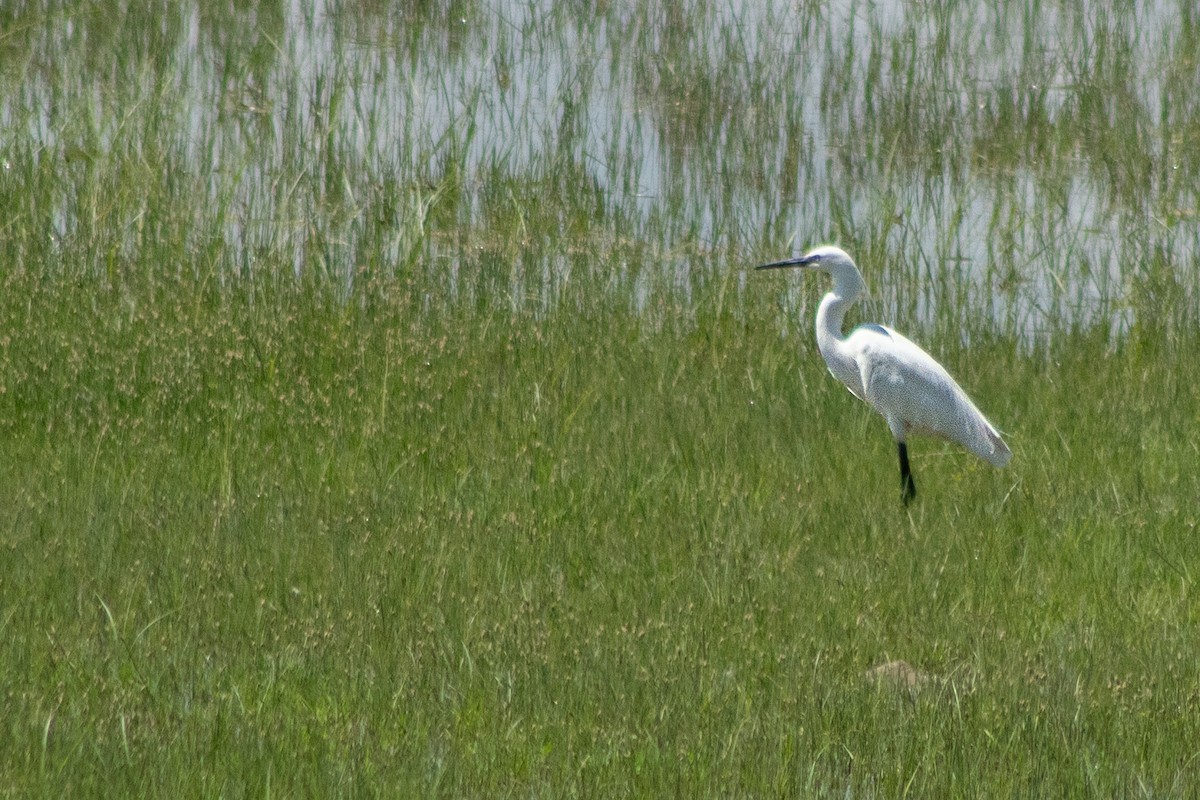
799	261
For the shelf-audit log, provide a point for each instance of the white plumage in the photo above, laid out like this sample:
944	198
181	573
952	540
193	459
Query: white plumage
911	390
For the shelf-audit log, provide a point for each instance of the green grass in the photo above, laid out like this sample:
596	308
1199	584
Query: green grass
314	549
386	407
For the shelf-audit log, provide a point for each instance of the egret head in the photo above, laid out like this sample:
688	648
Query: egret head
847	280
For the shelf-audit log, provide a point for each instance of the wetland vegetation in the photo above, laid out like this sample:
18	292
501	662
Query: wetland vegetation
387	406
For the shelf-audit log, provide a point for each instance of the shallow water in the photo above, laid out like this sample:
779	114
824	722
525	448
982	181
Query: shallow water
1028	161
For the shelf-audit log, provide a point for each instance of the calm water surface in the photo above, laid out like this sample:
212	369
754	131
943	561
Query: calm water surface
1031	160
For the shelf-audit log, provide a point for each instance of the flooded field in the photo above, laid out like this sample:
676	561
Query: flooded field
388	404
1026	163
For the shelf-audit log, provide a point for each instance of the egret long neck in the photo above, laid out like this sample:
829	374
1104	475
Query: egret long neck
830	317
847	287
832	343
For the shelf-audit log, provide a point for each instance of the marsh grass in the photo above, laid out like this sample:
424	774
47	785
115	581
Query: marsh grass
386	406
487	553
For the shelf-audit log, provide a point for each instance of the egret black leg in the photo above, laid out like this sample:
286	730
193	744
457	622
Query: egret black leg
908	487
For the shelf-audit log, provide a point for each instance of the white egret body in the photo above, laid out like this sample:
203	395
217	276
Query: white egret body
911	390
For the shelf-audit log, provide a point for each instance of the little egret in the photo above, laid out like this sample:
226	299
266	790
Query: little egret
897	378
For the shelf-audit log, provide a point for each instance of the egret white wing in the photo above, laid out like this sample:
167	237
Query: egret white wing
916	394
